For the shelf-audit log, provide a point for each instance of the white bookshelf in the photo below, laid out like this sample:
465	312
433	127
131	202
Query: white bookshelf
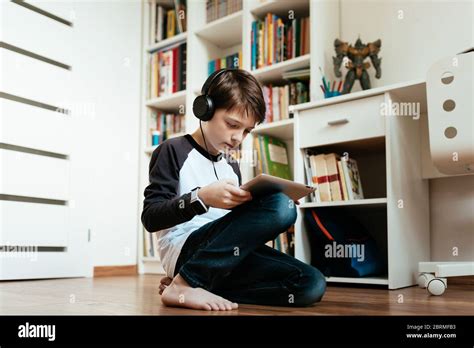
282	129
389	154
168	102
167	42
223	32
355	202
274	72
222	37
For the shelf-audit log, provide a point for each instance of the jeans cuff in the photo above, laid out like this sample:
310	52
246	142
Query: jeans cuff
190	279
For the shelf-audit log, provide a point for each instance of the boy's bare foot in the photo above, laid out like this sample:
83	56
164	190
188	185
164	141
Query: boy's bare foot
179	293
164	282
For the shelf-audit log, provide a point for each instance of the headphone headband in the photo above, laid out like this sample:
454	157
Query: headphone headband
203	105
211	78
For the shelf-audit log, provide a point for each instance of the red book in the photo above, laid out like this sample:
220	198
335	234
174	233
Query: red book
175	69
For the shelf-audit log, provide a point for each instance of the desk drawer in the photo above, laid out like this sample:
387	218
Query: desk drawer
348	121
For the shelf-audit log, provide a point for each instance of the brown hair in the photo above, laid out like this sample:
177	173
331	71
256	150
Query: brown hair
238	90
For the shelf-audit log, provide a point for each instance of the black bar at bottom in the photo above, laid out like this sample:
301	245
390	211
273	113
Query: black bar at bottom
230	329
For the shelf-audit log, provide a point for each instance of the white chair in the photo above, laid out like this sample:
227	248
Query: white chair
450	98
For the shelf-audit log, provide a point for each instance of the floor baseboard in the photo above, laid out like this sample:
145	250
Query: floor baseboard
107	271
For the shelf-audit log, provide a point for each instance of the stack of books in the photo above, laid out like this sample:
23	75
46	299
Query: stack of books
167	22
231	61
272	157
278	98
285	242
166	123
274	40
336	178
167	71
216	9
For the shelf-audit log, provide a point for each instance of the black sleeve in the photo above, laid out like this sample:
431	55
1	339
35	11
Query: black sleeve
162	208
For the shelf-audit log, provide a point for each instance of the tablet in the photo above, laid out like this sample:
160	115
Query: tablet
264	184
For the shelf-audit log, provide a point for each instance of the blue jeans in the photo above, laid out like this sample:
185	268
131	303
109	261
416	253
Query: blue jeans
228	257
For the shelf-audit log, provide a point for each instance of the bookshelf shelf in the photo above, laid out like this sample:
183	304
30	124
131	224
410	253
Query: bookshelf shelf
223	32
362	280
274	72
149	149
168	42
168	102
280	7
356	202
282	129
151	259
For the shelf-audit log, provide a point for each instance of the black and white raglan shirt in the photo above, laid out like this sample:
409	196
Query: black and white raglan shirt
177	166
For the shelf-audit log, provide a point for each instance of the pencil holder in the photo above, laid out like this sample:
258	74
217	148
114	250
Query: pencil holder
331	94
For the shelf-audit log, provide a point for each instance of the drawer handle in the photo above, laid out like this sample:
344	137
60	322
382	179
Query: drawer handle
338	122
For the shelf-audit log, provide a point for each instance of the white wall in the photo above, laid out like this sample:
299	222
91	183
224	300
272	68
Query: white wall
415	34
108	91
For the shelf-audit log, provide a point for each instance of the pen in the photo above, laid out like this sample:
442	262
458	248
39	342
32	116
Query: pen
326	86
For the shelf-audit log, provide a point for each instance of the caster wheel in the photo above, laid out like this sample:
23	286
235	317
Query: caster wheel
436	287
424	279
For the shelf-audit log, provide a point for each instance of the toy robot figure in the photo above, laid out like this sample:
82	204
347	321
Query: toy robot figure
357	67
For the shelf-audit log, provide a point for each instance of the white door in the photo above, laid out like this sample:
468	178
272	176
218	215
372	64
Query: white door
42	230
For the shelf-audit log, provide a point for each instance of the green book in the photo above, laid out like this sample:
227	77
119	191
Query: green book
276	154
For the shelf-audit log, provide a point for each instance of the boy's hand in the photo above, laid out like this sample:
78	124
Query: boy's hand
223	194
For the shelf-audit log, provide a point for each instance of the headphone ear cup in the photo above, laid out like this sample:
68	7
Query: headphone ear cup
203	107
210	108
200	107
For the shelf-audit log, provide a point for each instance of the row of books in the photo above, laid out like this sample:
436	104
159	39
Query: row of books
285	242
278	99
271	157
336	178
216	9
273	40
167	22
231	61
167	71
166	123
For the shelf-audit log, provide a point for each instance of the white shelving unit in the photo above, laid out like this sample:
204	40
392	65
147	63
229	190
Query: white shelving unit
390	156
225	36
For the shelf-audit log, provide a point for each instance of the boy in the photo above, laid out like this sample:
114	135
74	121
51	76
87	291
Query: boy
212	234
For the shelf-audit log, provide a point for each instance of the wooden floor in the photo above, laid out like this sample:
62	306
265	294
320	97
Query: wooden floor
137	295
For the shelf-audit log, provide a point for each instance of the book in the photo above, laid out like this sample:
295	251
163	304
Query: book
352	178
277	157
322	177
333	176
171	23
180	8
343	181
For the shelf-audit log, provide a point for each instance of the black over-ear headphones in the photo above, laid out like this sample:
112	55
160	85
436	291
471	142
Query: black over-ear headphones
203	105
